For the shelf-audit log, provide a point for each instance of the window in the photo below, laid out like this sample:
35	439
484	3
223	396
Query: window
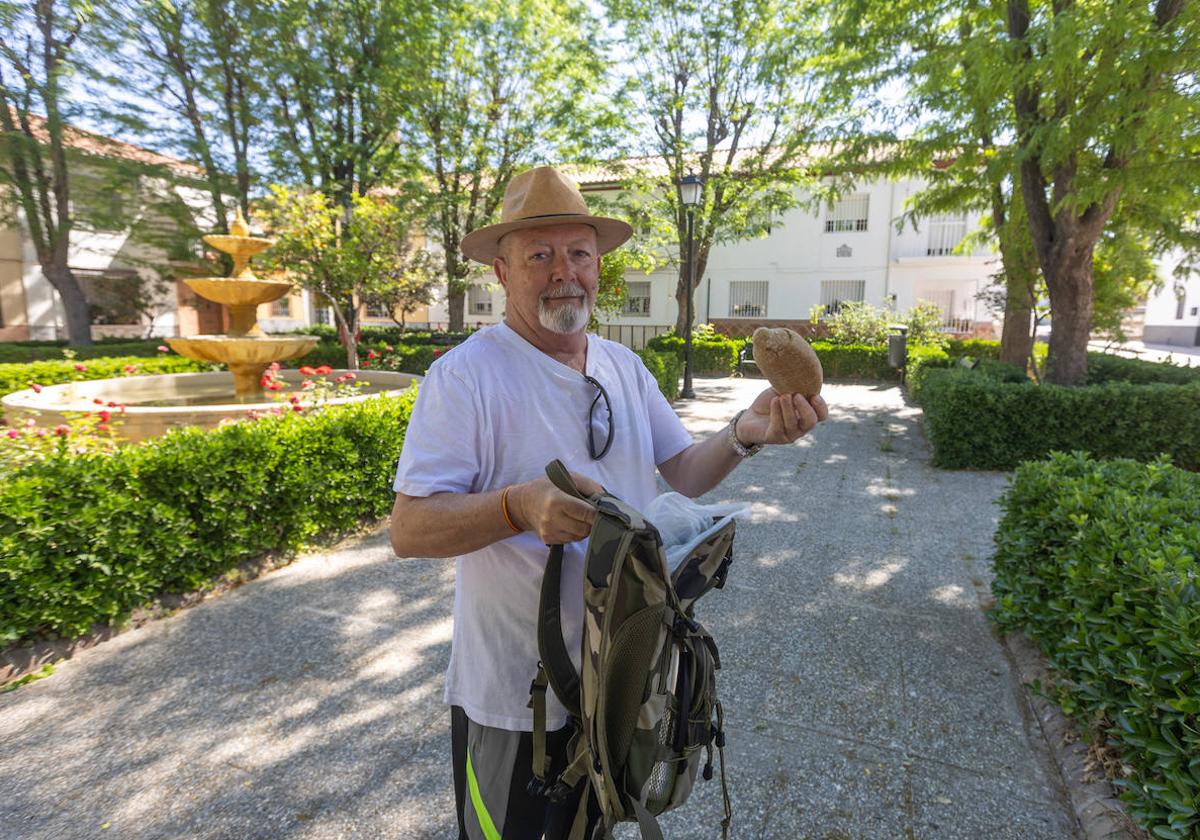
748	299
836	292
282	307
848	214
323	315
378	310
945	232
1179	305
480	300
114	295
637	299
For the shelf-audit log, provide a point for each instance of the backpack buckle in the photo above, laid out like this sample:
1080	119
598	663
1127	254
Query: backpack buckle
536	787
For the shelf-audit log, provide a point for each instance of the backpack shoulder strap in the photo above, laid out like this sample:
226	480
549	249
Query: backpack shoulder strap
560	671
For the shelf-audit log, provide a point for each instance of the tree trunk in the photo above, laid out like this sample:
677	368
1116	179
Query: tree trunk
455	303
1016	338
1070	285
75	305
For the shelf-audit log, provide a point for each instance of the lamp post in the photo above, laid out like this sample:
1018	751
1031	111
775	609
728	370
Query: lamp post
689	194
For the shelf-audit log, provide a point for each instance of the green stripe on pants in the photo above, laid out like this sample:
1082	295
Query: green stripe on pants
485	820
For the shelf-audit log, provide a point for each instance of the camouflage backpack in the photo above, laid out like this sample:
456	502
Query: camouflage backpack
645	706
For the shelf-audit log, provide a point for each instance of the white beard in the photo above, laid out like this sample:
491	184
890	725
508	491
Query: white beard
564	318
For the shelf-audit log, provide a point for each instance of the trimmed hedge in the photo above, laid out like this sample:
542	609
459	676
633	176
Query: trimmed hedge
975	420
1105	367
666	368
709	356
88	539
18	352
17	377
854	361
1099	563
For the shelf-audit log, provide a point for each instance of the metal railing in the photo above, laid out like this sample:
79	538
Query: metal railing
633	336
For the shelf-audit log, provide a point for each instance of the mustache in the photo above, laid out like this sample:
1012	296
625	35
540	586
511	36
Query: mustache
568	289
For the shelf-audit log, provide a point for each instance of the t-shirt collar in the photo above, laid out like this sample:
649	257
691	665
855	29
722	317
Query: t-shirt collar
507	333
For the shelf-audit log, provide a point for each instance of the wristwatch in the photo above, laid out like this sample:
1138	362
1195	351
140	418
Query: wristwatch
740	448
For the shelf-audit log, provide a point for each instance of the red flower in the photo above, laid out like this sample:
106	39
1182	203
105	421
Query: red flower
293	399
103	427
323	370
307	383
162	348
273	366
98	401
438	352
130	368
371	354
307	371
367	363
105	416
297	407
111	404
351	375
12	434
80	367
62	430
37	389
340	380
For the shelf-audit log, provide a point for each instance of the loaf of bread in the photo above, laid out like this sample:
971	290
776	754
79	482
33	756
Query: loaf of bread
790	365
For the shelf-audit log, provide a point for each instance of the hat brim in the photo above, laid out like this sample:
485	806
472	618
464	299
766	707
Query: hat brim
483	245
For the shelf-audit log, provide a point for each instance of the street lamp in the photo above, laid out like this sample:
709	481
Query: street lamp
689	194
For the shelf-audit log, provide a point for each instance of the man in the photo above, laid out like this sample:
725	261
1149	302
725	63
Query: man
471	484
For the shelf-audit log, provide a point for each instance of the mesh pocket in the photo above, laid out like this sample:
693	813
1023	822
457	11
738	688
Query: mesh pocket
662	776
627	673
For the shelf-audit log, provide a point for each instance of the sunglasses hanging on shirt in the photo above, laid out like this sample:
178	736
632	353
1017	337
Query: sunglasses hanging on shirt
595	450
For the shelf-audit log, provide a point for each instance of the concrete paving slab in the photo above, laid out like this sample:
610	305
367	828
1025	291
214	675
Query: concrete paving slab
865	693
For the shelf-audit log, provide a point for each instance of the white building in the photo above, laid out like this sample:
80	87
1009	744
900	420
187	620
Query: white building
851	251
1171	317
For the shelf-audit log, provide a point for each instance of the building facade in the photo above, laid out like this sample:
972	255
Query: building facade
1173	312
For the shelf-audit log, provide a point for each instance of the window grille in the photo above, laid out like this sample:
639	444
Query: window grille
944	300
323	315
836	292
1179	306
637	299
282	307
748	299
946	231
480	300
377	310
848	214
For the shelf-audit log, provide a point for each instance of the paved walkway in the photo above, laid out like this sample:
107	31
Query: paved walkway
866	695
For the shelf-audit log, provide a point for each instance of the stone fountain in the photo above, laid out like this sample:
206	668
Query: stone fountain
154	404
245	349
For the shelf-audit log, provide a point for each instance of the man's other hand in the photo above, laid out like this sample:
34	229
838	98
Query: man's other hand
780	418
553	515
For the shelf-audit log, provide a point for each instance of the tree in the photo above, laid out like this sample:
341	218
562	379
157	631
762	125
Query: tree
723	91
345	262
493	87
415	279
39	45
1084	109
1105	105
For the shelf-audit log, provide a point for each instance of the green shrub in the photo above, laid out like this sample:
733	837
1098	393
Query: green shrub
666	368
978	348
709	355
921	360
17	352
854	361
385	335
1104	367
17	377
858	322
88	539
975	421
1099	563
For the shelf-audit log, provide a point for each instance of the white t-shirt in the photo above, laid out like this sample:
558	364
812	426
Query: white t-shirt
492	412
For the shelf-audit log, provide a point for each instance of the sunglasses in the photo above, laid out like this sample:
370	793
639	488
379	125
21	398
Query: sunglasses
598	452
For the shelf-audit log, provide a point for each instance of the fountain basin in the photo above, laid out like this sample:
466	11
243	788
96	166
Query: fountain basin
235	292
155	404
233	350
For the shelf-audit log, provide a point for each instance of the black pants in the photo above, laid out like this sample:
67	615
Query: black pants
492	768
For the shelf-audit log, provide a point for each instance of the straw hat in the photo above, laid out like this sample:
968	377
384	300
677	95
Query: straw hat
536	198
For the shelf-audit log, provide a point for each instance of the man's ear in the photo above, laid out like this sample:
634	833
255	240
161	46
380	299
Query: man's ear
500	269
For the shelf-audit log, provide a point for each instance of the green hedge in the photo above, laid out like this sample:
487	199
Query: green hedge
17	377
1099	562
854	361
16	352
1104	367
88	539
709	356
666	367
974	420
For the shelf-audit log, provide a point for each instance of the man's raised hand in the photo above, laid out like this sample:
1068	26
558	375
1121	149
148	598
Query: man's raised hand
780	418
556	517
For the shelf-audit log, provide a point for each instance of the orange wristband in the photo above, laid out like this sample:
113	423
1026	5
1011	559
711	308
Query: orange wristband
504	509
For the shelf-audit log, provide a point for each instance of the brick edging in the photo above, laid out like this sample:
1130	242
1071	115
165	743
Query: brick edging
1099	813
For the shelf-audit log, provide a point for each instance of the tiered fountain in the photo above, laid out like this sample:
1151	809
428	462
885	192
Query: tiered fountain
154	404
